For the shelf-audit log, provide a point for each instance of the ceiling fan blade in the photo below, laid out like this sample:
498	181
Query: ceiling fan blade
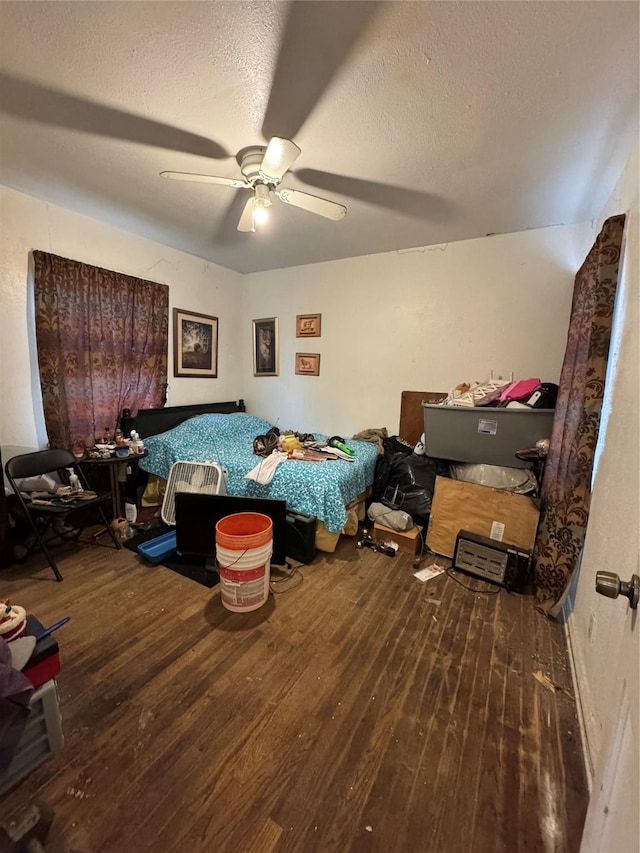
314	204
38	103
246	220
205	179
318	39
415	203
280	155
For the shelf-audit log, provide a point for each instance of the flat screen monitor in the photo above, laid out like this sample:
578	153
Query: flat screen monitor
197	516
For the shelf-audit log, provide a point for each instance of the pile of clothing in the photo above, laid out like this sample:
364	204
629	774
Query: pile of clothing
44	488
276	447
504	393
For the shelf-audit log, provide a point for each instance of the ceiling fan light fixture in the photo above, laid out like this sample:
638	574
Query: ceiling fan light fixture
260	215
263	169
261	203
261	196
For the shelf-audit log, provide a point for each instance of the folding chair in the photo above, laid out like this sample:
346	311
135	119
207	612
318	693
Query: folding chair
43	514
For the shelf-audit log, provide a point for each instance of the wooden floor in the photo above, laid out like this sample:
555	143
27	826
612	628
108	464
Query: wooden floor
359	711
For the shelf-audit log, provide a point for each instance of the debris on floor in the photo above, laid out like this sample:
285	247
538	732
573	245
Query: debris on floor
429	572
546	681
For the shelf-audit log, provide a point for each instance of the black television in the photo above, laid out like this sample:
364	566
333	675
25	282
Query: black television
197	516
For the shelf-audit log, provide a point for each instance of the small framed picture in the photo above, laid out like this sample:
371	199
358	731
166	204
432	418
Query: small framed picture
265	347
308	363
195	344
308	325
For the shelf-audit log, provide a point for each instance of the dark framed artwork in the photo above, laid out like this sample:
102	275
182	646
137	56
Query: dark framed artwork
308	363
308	325
265	347
195	344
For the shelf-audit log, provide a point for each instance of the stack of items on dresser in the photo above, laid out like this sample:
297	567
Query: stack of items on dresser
486	429
469	471
495	436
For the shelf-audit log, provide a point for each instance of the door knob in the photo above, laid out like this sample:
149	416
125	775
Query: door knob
609	584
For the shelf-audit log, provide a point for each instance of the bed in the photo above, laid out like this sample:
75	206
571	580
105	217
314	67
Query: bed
321	489
150	422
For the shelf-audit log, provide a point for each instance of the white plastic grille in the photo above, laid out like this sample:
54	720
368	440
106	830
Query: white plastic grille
207	478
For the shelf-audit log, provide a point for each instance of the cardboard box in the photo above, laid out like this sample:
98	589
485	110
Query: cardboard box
408	541
479	509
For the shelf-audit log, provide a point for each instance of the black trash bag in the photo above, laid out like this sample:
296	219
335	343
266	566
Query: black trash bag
411	499
394	447
411	484
417	470
394	444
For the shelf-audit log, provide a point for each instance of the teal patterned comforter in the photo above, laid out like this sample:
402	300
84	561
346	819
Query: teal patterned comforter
322	489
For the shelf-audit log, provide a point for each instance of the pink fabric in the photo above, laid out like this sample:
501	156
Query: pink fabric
520	389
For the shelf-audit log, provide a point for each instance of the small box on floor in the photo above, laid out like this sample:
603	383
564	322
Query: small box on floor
408	541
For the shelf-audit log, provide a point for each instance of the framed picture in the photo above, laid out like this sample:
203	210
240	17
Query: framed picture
195	344
308	325
265	347
308	363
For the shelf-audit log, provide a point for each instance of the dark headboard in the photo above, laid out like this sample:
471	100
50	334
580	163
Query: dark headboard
150	422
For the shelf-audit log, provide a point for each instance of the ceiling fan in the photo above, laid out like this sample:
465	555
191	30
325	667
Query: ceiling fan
263	169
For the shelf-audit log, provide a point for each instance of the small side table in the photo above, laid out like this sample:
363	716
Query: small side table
114	464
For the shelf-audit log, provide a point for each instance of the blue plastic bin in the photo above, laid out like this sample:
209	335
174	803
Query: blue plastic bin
160	548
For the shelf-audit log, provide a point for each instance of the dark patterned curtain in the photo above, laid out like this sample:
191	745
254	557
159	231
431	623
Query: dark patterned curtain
566	488
102	346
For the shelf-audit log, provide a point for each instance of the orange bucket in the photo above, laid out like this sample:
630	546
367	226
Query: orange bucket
244	530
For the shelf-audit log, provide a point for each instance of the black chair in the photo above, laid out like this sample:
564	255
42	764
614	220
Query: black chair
43	515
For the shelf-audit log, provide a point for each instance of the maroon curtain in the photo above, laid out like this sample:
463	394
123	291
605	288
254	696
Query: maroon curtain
566	488
102	346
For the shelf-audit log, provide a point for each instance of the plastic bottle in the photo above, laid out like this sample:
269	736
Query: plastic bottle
74	481
130	511
338	442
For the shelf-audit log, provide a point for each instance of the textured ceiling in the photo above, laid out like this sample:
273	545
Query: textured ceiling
431	121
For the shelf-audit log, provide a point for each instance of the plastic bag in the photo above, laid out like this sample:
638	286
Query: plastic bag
411	484
518	480
394	447
414	500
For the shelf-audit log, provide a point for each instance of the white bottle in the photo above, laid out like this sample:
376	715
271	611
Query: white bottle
130	511
74	481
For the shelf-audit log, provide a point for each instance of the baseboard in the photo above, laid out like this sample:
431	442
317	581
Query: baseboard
586	752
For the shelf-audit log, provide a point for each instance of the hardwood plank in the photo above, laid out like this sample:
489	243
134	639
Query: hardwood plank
361	710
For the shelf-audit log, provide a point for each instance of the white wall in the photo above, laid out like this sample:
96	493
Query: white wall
597	625
423	320
420	320
27	223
